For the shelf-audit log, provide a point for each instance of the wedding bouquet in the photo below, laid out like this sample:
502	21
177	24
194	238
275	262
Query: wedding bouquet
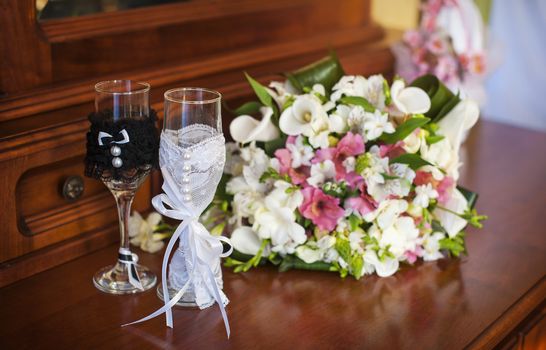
345	173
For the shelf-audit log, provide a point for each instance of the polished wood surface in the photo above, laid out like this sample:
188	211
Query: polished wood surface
480	301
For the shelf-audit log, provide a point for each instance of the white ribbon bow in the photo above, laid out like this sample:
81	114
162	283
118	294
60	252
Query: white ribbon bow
125	256
123	133
203	249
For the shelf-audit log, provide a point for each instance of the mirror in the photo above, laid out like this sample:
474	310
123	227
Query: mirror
55	9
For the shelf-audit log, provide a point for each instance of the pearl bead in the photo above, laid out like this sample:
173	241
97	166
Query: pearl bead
187	156
117	162
115	151
185	180
186	168
187	198
186	190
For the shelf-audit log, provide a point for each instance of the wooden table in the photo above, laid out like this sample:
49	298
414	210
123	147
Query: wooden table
494	296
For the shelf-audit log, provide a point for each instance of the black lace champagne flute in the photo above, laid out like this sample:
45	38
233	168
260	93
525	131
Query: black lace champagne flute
122	147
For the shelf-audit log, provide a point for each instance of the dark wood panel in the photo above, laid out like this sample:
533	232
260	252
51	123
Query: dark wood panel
448	304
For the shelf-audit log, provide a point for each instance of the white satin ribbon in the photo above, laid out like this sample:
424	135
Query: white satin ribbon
130	259
123	133
203	248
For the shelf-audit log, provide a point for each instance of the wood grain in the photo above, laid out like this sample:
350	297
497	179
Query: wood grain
473	302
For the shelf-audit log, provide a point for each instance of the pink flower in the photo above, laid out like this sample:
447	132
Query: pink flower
413	38
392	151
437	44
444	189
359	204
322	209
446	69
298	175
349	146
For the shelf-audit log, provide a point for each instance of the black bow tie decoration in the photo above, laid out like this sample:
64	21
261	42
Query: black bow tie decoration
116	147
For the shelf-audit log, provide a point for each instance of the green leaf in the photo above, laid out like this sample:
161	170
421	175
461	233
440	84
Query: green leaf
260	91
441	98
343	247
271	173
356	264
358	101
354	222
362	162
455	246
414	161
248	108
404	129
471	197
326	71
271	146
432	139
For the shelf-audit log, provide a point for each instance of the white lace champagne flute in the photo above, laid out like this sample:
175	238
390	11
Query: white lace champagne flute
123	106
192	154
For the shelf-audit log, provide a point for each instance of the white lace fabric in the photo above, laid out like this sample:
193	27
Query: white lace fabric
207	156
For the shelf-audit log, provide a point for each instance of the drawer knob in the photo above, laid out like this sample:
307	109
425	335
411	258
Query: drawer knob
73	188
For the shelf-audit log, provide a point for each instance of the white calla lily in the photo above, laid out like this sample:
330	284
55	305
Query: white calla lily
449	221
245	240
458	121
306	116
409	100
246	129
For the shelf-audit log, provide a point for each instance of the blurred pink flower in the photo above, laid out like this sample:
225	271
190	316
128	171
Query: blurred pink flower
297	175
413	38
322	209
446	70
437	44
359	204
444	189
350	145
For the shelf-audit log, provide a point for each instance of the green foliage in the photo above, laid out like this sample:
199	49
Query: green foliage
362	162
356	263
471	197
343	248
414	161
432	139
441	98
264	97
473	218
248	108
271	146
293	262
358	101
271	173
244	265
327	71
455	246
404	129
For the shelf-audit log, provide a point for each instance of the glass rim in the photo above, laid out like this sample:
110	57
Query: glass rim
167	96
144	87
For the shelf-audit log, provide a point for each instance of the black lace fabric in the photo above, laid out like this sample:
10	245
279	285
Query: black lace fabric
139	154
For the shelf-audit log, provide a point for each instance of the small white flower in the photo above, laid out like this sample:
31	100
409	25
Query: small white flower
349	164
338	119
442	155
431	245
314	251
355	241
281	92
387	212
374	91
375	124
142	232
276	220
321	172
409	100
383	268
400	237
301	153
349	85
355	119
412	142
423	195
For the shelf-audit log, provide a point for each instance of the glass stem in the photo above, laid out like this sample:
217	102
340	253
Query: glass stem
124	199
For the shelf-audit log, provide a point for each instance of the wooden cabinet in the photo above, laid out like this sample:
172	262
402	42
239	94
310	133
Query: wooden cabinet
49	67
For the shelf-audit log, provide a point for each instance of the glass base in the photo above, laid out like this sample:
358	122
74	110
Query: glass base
114	279
187	300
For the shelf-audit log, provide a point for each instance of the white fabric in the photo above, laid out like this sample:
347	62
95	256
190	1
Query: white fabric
201	251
